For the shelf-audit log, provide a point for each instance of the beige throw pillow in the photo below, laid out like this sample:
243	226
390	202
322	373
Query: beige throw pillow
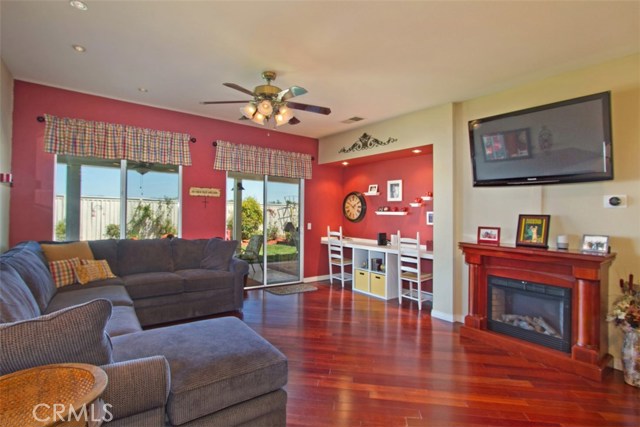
61	251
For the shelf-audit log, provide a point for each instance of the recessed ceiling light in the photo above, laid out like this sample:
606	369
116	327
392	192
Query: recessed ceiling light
78	5
79	48
416	151
143	89
345	163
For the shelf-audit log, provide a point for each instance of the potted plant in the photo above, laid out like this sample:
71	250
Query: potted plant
625	313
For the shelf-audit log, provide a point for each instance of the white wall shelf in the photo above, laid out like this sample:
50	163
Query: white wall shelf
391	213
371	194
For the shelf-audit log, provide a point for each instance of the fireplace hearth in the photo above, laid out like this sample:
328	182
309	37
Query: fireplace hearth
532	312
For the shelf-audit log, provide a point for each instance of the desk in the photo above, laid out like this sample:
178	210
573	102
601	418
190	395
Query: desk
27	397
372	244
367	256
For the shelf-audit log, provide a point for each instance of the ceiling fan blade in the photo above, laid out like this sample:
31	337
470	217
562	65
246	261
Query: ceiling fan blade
291	92
222	102
293	121
238	87
311	108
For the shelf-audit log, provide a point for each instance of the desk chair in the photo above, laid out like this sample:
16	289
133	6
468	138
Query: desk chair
336	257
409	270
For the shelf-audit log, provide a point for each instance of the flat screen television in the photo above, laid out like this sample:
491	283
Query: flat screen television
567	141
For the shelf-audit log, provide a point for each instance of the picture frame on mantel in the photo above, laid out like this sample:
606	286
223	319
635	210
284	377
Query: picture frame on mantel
595	244
394	190
533	230
489	236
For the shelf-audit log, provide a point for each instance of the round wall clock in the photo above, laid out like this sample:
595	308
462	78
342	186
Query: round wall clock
354	206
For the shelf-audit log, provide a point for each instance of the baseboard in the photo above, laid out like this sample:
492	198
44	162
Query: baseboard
443	316
315	279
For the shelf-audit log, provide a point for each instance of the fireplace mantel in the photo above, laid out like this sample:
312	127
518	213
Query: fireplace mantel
585	274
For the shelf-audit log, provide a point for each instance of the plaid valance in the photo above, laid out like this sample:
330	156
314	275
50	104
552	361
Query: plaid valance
77	137
261	161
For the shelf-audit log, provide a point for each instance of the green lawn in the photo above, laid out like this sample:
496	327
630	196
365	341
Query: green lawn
280	249
280	252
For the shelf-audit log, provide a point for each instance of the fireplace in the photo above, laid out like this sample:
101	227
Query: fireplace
516	292
533	312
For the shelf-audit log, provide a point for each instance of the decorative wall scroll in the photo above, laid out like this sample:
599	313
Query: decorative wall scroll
365	142
204	192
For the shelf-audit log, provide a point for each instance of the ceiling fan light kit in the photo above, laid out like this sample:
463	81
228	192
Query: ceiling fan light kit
271	101
258	118
265	108
248	110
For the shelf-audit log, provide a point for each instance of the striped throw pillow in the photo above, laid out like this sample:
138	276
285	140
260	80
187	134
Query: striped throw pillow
92	270
63	271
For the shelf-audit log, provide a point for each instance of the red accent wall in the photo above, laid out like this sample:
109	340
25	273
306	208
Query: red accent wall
416	174
31	215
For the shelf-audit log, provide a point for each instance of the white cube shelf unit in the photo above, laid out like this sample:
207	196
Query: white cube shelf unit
375	273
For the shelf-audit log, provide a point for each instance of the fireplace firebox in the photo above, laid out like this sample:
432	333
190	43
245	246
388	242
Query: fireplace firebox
529	311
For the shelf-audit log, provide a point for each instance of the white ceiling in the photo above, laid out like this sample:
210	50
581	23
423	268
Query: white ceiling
360	58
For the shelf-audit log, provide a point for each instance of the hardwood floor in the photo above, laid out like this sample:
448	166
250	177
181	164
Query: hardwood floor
359	361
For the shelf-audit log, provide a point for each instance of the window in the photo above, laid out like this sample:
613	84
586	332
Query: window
93	198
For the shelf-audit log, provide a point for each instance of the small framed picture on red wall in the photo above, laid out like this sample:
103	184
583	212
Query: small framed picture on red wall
489	235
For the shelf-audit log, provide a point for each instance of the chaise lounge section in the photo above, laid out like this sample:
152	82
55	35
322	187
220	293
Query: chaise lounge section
202	373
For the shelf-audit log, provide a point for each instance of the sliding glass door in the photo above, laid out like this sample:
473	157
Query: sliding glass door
263	213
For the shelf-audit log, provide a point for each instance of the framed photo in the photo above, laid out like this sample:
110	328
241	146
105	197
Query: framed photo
430	218
394	190
595	244
533	230
489	235
373	188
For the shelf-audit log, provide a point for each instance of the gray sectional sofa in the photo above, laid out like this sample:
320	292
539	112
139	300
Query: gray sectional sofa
215	372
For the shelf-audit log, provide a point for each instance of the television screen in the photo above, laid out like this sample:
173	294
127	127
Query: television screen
567	141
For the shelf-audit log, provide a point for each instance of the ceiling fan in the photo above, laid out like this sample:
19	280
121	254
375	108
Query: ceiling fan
271	101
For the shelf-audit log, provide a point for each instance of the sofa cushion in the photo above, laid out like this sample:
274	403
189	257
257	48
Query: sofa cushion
187	254
123	321
106	249
116	295
218	253
73	335
144	256
146	285
63	271
92	270
28	261
60	251
16	300
214	363
203	280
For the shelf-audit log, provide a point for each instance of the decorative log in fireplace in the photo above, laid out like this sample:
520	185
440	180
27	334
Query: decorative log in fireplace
585	275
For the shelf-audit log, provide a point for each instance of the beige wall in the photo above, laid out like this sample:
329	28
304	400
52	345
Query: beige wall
575	209
6	122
